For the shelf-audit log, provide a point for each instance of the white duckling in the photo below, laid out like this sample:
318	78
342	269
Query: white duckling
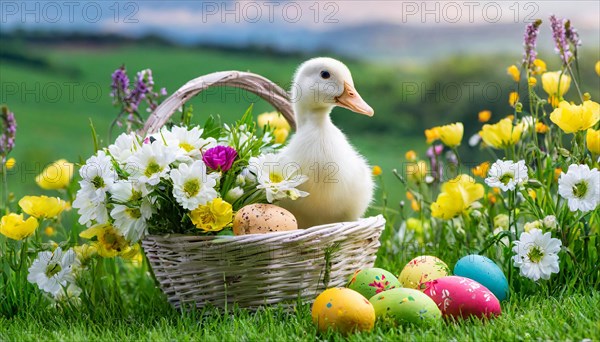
339	184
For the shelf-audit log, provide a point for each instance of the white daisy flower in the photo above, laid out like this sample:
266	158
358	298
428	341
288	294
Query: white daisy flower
89	210
192	186
97	176
536	254
150	163
189	143
580	186
124	147
124	191
131	222
507	175
53	271
277	177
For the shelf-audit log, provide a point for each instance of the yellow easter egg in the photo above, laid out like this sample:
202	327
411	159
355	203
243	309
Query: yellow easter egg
343	310
421	270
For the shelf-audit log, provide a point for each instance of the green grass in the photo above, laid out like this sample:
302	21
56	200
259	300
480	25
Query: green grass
537	317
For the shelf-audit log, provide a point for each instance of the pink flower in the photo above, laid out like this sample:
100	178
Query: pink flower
219	158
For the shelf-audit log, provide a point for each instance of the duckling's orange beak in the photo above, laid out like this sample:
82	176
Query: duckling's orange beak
350	99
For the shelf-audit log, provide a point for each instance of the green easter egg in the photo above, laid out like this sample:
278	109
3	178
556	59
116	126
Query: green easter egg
404	305
371	281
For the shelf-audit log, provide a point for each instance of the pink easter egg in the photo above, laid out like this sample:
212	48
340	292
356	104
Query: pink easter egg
461	297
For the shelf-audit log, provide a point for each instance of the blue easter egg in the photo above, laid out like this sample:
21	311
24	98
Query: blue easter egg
484	271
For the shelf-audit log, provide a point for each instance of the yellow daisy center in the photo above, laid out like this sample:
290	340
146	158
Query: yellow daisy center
191	187
152	168
52	270
535	254
187	147
275	177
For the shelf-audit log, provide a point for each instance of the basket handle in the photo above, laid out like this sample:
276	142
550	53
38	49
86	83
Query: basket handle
253	83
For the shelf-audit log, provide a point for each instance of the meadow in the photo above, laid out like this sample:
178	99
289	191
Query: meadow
56	100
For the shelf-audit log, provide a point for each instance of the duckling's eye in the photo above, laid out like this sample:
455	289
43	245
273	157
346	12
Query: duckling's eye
325	74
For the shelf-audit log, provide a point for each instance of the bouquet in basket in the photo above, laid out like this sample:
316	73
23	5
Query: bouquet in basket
183	178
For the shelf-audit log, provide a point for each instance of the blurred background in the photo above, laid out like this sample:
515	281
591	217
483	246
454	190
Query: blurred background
417	63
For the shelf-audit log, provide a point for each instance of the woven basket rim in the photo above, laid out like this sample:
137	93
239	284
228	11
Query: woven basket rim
298	233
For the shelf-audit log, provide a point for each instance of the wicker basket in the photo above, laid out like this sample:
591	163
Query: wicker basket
254	270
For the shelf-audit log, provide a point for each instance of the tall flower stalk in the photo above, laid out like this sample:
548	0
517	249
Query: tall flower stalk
7	143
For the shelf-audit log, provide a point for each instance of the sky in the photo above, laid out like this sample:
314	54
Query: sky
124	16
310	24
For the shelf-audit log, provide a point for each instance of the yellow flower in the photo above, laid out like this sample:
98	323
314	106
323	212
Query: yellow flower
593	140
414	205
553	101
513	98
281	135
481	170
539	67
409	196
514	72
15	227
49	231
85	252
532	81
10	163
377	170
557	173
213	216
451	135
273	120
597	68
501	134
414	224
56	176
573	118
484	116
42	206
532	194
410	156
541	128
109	242
552	86
532	225
432	134
416	171
457	196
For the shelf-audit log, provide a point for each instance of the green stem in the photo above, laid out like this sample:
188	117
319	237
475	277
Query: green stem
4	199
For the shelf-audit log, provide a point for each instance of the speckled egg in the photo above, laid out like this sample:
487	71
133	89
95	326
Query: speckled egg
343	310
484	271
263	218
371	281
404	305
461	297
421	270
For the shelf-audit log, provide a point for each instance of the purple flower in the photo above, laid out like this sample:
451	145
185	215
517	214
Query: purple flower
120	84
433	153
531	33
219	158
9	132
560	39
572	34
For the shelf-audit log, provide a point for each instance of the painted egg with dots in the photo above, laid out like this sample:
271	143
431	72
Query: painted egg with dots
421	270
404	305
371	281
343	310
460	297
